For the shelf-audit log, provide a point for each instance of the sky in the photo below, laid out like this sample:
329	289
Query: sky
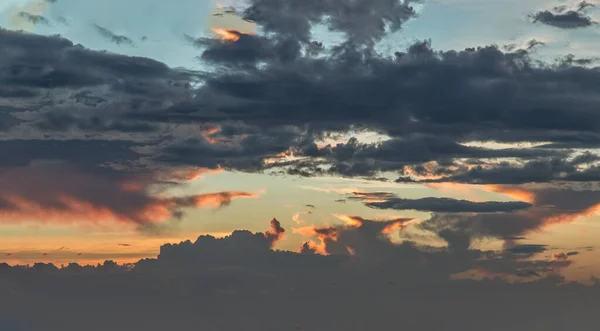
315	164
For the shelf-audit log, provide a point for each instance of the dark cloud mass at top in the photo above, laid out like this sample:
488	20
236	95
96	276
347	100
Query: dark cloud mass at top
275	93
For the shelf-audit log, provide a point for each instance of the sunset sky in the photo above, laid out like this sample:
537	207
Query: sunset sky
462	131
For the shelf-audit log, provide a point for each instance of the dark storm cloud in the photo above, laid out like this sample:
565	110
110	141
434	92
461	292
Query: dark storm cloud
245	151
360	159
495	96
62	84
115	38
65	90
276	97
86	154
384	200
496	88
51	62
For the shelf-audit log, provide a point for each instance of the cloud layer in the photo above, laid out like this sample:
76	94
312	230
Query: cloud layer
238	281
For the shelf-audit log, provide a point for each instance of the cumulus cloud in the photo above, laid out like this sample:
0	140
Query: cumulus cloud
240	281
359	237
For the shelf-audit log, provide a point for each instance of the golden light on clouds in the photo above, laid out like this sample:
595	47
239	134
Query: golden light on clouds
513	192
226	35
223	22
35	8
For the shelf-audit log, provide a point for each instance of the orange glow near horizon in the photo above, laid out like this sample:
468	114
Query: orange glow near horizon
90	250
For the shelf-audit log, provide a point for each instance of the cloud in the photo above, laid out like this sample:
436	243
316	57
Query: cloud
26	17
275	233
384	200
296	216
146	101
58	192
564	18
527	249
579	168
361	21
56	87
115	38
34	19
359	237
549	206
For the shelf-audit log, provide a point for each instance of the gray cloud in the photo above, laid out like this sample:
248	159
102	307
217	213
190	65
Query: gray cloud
528	249
115	38
562	17
361	21
35	19
550	206
146	99
384	200
579	168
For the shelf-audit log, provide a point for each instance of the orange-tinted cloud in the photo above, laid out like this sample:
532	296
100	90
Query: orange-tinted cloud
55	192
513	192
228	25
554	205
345	239
550	206
296	217
227	35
